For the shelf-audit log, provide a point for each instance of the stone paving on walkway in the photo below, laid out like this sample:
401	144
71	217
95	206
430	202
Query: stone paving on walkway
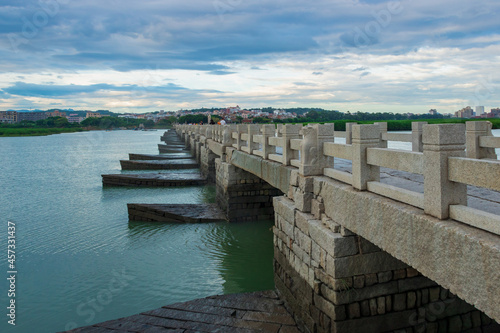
245	313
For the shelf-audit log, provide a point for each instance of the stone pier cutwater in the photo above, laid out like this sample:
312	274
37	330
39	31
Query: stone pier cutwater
180	213
181	156
161	164
154	179
357	252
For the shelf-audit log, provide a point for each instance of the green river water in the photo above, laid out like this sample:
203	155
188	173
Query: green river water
80	261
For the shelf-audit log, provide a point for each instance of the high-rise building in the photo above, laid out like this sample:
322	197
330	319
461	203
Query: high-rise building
479	110
464	113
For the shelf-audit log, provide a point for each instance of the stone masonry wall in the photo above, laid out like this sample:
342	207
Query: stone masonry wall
242	195
207	163
335	281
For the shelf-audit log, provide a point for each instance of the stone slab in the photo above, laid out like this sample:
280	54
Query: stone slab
154	179
259	311
167	149
185	213
159	164
181	156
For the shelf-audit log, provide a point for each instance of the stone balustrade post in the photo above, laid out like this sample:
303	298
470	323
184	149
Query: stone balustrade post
441	142
311	148
474	130
227	138
217	133
348	133
383	130
289	132
253	129
267	132
363	137
208	132
417	128
241	129
197	130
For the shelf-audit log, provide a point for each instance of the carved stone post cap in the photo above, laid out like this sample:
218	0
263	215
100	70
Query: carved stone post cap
366	132
268	129
478	126
418	125
383	126
291	129
444	134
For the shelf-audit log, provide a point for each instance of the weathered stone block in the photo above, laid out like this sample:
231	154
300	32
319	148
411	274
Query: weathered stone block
294	177
386	323
302	221
362	264
333	226
365	308
399	302
302	200
337	313
411	300
359	281
455	324
306	183
284	207
334	244
384	277
354	310
317	208
370	279
303	241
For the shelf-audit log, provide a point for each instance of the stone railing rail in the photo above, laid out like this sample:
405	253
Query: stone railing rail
449	156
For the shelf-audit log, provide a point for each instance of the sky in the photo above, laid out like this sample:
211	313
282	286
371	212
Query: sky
347	55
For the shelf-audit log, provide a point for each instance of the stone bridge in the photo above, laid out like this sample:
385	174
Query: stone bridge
367	238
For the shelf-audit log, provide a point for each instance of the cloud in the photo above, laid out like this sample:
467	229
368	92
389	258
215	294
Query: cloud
52	90
217	47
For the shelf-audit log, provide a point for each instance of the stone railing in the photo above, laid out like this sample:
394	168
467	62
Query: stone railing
449	156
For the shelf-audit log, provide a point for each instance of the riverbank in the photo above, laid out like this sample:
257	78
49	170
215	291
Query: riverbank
11	132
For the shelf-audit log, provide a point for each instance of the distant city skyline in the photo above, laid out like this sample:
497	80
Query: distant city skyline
347	55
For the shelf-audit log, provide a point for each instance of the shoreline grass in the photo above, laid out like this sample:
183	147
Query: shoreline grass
13	132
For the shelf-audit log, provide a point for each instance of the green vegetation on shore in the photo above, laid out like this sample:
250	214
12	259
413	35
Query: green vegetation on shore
5	132
405	125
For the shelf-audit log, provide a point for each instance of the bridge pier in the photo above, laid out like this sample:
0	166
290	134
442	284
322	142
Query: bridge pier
333	280
242	195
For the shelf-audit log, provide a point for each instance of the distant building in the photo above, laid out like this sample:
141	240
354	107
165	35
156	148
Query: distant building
433	112
74	118
465	113
495	113
31	116
479	111
55	113
91	114
8	117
